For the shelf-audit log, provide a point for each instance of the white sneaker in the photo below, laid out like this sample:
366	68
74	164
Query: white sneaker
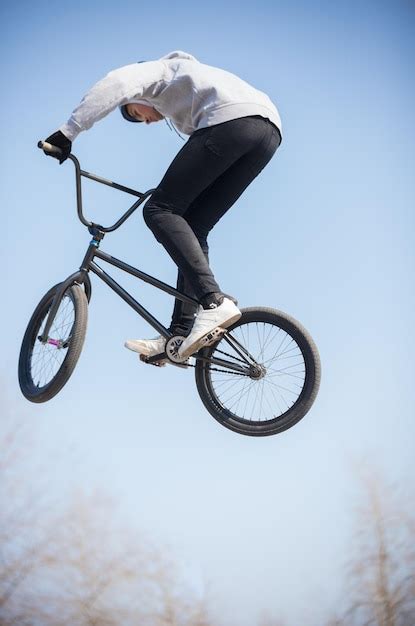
147	347
207	320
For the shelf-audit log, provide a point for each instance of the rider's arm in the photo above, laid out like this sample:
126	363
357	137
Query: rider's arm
116	88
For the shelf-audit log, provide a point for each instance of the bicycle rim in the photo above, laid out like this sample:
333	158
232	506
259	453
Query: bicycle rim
278	390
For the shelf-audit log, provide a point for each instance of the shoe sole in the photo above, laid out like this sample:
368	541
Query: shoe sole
201	343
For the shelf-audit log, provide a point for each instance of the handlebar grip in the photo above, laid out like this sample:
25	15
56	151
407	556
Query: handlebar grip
49	148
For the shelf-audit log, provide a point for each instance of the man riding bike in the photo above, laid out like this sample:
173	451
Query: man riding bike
234	131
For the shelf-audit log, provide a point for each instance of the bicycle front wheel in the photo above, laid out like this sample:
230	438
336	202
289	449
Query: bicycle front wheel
275	379
45	367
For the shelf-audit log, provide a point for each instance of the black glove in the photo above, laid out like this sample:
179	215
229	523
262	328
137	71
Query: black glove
59	140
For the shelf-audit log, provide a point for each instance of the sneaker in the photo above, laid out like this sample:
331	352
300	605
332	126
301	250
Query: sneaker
147	347
222	315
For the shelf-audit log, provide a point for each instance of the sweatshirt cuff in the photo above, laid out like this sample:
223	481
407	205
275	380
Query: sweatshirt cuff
71	130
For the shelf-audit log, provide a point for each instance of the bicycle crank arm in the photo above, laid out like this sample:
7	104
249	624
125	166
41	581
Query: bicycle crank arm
156	358
159	360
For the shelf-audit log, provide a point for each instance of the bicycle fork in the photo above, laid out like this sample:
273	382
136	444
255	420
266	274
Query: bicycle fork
80	277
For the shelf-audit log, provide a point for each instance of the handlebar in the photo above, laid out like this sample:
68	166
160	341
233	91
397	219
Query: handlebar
47	147
56	152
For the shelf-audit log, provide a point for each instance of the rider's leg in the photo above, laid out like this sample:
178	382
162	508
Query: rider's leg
208	208
202	160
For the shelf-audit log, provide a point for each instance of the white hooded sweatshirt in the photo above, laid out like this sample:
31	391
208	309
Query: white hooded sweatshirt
193	95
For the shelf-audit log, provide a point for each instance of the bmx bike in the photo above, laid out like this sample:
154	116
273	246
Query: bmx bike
258	377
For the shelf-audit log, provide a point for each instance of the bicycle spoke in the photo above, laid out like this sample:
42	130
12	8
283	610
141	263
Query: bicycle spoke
264	394
46	359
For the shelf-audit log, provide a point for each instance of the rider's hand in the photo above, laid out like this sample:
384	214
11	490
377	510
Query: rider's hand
59	140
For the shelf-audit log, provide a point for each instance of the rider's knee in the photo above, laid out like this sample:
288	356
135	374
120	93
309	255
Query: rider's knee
163	203
148	214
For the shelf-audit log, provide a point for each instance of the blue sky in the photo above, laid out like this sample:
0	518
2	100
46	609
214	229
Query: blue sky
325	234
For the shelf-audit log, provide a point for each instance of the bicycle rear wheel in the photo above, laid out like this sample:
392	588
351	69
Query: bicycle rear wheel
44	368
278	377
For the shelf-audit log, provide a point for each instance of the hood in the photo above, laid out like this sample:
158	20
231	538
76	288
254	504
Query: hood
178	54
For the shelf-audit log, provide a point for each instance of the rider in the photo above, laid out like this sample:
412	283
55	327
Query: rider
234	131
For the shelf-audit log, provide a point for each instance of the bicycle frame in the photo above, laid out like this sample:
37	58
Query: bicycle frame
89	265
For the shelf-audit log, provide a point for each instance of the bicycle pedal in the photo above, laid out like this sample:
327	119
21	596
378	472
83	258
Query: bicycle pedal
149	361
212	337
164	360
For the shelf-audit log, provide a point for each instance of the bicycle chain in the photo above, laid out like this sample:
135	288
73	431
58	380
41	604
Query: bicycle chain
215	369
231	356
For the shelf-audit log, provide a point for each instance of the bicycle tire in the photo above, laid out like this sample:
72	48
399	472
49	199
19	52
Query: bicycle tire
307	352
73	343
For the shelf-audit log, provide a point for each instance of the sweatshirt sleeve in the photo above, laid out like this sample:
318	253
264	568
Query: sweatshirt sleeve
116	88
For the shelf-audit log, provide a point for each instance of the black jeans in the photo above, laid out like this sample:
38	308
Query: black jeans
204	180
